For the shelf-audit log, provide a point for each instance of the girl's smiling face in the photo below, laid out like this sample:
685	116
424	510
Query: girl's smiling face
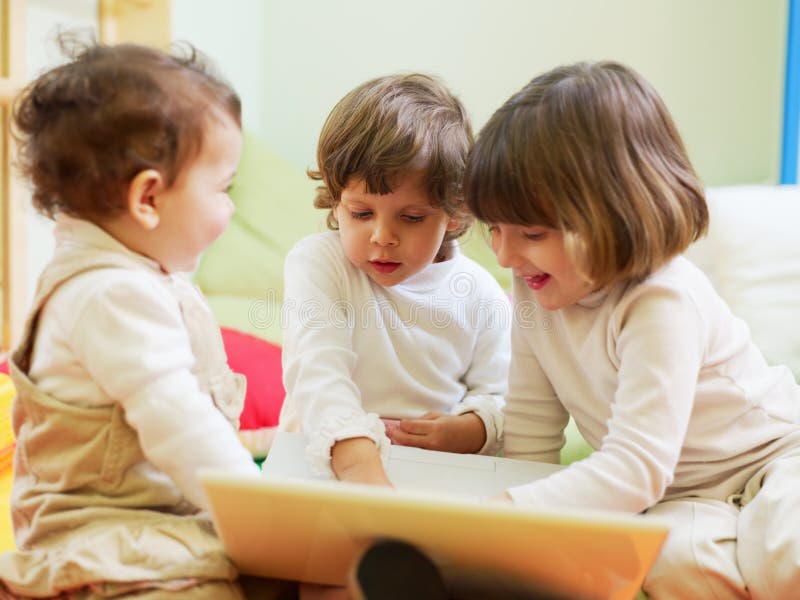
537	255
391	236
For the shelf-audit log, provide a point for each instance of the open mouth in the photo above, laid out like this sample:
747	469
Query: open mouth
537	282
382	266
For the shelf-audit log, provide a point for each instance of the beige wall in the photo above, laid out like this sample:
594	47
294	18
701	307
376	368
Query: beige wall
718	63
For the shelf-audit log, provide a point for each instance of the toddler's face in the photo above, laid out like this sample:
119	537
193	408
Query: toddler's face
196	209
537	255
392	236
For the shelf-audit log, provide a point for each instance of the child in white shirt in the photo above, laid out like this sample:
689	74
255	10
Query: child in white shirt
591	199
386	318
123	387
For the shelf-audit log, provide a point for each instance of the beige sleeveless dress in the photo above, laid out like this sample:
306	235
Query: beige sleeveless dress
86	522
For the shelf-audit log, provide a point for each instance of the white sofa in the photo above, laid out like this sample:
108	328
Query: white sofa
752	255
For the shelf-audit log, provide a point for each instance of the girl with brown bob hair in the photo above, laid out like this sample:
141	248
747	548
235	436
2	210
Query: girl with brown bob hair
590	199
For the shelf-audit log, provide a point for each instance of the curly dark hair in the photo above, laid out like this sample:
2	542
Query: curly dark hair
87	127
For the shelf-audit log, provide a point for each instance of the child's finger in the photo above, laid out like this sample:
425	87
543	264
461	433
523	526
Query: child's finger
430	416
421	426
402	438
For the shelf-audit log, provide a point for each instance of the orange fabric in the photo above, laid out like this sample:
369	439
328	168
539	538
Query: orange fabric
6	454
6	533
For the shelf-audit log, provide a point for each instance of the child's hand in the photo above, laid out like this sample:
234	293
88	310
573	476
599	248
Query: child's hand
438	431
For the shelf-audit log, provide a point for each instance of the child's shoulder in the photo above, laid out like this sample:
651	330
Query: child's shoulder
680	275
320	258
679	281
108	285
325	244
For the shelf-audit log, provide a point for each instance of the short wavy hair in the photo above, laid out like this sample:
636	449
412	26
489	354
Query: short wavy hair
388	128
591	149
87	127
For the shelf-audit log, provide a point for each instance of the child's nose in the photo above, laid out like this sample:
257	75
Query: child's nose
382	235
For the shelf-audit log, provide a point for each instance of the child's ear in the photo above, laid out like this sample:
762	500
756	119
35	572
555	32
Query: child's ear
142	197
453	224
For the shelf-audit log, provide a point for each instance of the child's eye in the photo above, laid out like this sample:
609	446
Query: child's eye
534	236
361	215
414	218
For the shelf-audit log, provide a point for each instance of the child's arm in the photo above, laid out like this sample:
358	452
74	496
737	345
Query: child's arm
318	360
357	460
130	337
535	419
659	340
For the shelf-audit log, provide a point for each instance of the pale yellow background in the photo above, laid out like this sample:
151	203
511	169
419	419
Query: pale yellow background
718	63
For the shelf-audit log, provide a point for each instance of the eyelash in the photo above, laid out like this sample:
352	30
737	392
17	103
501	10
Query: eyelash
364	215
534	237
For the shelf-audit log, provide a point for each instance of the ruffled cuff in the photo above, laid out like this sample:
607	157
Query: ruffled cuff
344	427
487	410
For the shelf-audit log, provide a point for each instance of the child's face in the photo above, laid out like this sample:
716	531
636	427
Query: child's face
196	209
392	236
537	254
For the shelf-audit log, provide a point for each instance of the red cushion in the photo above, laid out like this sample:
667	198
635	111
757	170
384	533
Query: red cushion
260	362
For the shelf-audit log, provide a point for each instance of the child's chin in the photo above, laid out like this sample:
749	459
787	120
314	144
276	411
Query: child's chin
388	279
181	267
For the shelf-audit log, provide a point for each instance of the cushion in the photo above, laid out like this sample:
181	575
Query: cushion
260	362
6	432
259	316
753	255
274	209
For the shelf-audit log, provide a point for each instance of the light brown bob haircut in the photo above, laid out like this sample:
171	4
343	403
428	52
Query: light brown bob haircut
590	149
87	127
389	128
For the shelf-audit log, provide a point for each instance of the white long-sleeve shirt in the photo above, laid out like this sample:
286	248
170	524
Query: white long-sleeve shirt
661	379
354	351
117	336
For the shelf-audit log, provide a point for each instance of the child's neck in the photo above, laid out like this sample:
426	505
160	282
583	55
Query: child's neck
128	232
446	252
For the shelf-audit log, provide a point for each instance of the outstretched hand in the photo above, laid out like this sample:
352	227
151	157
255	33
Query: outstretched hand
439	431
